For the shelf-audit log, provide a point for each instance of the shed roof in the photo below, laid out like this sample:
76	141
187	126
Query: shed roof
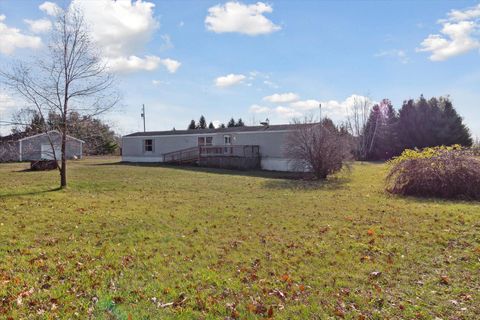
25	136
275	127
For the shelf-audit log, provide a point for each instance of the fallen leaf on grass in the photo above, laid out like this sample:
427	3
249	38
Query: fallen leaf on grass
23	295
444	280
339	312
270	312
286	278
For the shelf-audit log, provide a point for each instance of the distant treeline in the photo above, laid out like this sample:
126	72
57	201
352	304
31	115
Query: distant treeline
99	137
418	124
202	124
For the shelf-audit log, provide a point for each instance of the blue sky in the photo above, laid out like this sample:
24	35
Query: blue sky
276	59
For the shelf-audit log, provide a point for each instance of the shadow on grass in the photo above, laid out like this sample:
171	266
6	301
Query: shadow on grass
27	193
334	183
234	172
432	200
278	179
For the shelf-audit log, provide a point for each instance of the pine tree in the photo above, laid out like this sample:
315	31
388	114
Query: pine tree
211	126
192	125
430	123
385	143
222	126
458	132
202	123
231	123
240	123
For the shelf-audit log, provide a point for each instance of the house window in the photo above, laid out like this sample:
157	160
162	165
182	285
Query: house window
205	141
148	145
227	139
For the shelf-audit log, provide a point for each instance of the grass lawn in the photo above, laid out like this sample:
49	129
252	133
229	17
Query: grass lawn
149	242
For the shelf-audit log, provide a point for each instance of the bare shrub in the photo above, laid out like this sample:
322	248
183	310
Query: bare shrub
436	172
321	149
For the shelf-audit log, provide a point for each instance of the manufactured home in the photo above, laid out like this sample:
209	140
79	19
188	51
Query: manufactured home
21	147
261	147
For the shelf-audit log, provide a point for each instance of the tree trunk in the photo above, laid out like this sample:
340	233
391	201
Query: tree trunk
63	168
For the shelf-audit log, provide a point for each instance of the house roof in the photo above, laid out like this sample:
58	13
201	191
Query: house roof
275	127
24	136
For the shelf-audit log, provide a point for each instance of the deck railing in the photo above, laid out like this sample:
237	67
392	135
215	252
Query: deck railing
195	153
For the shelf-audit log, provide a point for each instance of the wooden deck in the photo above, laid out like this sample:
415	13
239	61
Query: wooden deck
228	156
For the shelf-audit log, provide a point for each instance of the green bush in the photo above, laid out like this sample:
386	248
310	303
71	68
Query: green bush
446	172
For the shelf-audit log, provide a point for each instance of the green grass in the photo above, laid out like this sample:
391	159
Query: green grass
124	240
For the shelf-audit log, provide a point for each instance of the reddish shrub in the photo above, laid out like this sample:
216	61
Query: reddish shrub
443	172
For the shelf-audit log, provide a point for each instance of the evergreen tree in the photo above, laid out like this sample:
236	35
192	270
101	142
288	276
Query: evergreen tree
452	130
192	125
202	123
222	126
435	122
240	123
211	126
382	132
231	123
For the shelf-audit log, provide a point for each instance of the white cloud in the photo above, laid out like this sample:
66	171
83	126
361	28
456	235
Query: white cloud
171	65
286	112
6	101
122	29
50	8
160	82
167	42
133	63
305	104
330	108
281	97
255	108
334	109
342	108
229	80
467	14
234	16
39	26
394	53
459	34
12	38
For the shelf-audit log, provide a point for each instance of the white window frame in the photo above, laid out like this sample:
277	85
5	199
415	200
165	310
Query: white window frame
204	139
145	145
227	139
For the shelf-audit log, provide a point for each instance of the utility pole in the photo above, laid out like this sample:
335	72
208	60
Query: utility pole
320	107
143	116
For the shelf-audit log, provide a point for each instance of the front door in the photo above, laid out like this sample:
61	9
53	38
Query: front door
227	141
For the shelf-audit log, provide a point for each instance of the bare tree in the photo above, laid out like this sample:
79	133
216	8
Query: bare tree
357	117
319	148
70	77
476	146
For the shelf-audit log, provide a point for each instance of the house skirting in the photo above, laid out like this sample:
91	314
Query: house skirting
142	159
270	164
